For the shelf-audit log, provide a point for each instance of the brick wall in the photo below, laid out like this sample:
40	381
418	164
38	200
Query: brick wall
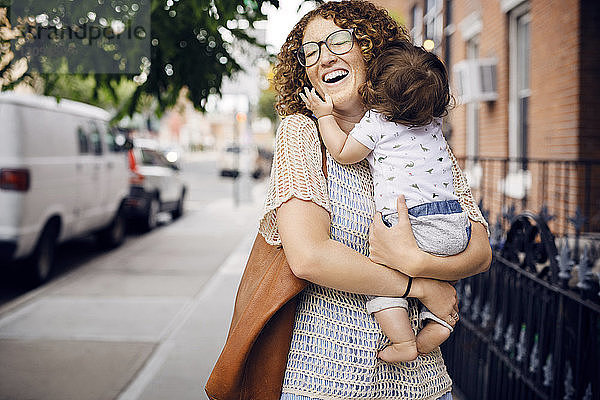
564	112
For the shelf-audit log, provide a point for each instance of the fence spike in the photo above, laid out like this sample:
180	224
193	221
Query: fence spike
565	264
498	329
484	211
466	304
588	392
548	371
577	220
521	345
459	290
509	212
486	316
569	389
586	276
509	340
545	214
497	235
534	359
475	309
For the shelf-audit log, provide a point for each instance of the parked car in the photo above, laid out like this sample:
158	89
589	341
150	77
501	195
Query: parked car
156	185
62	175
250	159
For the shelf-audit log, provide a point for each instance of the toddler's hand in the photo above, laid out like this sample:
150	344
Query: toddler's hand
314	103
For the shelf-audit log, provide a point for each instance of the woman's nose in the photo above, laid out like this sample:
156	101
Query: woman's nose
327	57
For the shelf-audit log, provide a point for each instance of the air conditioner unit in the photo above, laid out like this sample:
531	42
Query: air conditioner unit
475	80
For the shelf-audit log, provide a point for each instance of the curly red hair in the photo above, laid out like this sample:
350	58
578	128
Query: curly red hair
373	30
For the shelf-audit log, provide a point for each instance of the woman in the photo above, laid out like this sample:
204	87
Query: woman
323	224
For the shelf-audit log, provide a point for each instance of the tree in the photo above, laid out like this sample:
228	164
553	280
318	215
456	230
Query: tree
12	69
191	44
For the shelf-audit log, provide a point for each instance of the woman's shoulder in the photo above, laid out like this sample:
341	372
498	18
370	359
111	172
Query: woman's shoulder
297	124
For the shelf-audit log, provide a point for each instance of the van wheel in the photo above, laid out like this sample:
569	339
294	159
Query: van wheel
114	235
151	218
41	261
178	212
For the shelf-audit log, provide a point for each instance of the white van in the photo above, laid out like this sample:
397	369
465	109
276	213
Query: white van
62	175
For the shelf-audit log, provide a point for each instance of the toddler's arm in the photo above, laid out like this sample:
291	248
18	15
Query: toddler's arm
343	148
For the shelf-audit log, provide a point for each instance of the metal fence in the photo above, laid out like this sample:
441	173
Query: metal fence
567	189
530	326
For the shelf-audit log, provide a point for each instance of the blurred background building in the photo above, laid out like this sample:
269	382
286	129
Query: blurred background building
525	76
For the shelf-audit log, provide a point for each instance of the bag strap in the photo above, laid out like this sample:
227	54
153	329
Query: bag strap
324	159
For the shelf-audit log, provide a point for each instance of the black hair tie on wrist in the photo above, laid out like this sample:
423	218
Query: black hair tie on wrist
410	279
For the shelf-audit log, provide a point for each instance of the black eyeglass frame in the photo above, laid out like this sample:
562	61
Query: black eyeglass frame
297	52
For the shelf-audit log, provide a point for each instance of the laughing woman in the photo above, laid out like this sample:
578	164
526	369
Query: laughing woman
323	224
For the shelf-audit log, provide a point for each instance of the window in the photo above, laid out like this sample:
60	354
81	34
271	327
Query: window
434	23
473	106
83	141
448	32
95	139
416	33
519	90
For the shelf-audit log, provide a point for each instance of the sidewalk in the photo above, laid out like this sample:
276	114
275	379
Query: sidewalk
145	321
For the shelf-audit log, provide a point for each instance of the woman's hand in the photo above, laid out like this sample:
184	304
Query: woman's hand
314	103
396	247
438	296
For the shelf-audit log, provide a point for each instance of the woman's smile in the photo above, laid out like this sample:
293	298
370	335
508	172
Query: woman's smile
335	76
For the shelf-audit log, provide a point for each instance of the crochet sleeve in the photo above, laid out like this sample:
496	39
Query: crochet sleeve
296	172
463	192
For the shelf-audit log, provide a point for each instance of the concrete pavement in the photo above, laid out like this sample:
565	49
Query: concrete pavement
145	321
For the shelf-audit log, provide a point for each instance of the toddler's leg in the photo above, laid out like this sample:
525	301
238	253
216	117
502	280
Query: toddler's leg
433	334
395	324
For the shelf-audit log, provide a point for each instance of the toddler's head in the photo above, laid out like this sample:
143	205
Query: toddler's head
408	85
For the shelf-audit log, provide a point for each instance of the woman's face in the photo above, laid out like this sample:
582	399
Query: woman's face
344	92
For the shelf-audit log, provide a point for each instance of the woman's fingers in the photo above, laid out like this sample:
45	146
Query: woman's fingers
440	298
374	232
304	99
402	210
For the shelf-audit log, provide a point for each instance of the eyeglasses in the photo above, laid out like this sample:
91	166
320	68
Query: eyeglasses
338	42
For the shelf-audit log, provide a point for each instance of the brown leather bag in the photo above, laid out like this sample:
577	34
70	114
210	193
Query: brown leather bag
253	360
252	363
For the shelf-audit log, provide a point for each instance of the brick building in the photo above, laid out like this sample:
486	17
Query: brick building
525	74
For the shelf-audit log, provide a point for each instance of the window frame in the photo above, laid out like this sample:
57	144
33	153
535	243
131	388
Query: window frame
517	129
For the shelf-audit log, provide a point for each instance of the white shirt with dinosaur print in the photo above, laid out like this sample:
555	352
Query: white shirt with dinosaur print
413	161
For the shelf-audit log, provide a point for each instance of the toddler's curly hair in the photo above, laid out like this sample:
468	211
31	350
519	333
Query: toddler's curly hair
407	84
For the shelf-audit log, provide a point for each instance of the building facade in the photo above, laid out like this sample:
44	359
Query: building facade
525	74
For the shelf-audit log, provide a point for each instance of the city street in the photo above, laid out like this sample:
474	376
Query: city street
144	321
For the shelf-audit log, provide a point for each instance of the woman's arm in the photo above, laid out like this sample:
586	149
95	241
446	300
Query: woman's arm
397	248
304	230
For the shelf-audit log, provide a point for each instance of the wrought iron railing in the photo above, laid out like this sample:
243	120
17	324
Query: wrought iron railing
530	326
566	189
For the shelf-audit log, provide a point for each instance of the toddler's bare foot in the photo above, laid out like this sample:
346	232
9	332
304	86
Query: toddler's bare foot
431	336
397	352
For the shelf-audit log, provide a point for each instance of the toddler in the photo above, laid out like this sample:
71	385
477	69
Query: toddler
407	93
